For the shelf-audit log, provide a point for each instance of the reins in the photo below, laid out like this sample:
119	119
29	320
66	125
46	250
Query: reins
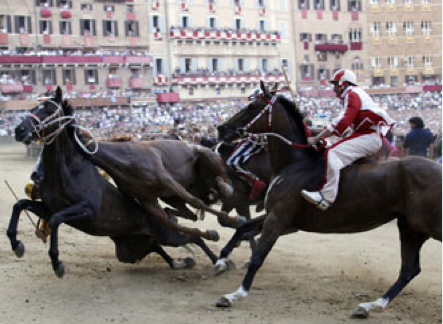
259	137
58	117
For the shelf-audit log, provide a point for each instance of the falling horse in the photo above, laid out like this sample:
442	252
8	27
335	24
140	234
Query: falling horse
73	192
370	195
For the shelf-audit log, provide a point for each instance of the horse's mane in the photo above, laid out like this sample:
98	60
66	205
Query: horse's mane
293	111
68	110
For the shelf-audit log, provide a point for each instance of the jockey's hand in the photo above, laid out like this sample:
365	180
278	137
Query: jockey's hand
313	140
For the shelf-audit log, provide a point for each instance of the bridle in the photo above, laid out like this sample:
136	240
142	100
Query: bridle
58	117
259	137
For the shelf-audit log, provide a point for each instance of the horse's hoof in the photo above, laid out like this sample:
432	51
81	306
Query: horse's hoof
360	312
213	235
189	263
60	271
19	250
223	302
241	220
222	268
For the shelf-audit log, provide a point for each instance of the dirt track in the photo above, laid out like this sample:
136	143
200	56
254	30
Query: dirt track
307	278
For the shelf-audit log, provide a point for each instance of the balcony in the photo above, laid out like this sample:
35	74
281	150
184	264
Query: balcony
60	59
354	15
23	59
11	88
330	47
139	59
45	13
224	79
161	80
223	35
66	14
136	82
131	16
356	46
113	82
168	97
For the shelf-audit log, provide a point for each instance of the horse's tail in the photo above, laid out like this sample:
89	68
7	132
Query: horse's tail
213	163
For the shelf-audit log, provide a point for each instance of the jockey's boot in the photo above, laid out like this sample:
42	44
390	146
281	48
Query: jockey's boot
316	198
257	187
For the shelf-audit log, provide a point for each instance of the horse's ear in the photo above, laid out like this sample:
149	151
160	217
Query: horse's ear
263	88
58	95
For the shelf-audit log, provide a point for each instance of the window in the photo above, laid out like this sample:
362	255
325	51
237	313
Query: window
212	22
319	4
108	8
64	4
303	4
27	76
374	2
427	60
185	21
322	74
23	25
391	28
264	65
65	28
68	76
49	77
305	37
86	7
262	25
261	3
321	38
376	62
131	28
425	1
214	65
130	8
322	56
156	23
375	29
5	24
409	61
188	65
87	27
408	1
408	28
394	81
355	36
354	5
306	71
336	39
158	67
241	65
426	27
45	27
335	5
238	24
110	28
390	2
393	62
91	76
44	3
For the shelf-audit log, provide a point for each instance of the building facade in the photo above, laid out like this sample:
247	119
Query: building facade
405	41
212	49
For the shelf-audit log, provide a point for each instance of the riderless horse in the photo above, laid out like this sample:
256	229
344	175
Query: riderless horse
370	195
73	192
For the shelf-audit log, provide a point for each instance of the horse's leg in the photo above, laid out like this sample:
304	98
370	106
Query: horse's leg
80	211
223	263
153	208
411	243
173	264
181	192
273	228
37	208
182	210
245	211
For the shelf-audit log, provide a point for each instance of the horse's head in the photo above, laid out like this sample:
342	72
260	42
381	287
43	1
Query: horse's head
254	118
45	120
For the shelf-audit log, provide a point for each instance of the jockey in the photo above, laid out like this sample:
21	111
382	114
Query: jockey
369	124
242	153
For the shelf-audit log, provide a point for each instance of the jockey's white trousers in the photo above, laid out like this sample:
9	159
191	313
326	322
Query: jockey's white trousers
344	153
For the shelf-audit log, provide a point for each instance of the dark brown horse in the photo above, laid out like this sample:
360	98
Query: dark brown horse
73	192
166	169
370	195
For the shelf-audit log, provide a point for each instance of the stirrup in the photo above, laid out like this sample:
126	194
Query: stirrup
323	204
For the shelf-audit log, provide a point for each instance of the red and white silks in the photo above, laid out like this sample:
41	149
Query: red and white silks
262	11
155	5
237	10
185	6
369	122
212	7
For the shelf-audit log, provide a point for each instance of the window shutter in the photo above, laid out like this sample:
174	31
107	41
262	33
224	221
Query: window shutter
246	64
116	28
9	24
94	30
162	25
29	25
104	28
182	65
190	21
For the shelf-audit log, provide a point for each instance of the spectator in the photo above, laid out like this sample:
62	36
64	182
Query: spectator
419	141
397	149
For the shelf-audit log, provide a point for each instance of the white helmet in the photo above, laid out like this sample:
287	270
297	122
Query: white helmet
344	75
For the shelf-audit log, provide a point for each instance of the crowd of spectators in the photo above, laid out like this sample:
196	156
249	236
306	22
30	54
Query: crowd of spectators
193	122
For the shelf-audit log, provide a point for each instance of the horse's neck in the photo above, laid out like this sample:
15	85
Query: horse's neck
281	154
57	155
